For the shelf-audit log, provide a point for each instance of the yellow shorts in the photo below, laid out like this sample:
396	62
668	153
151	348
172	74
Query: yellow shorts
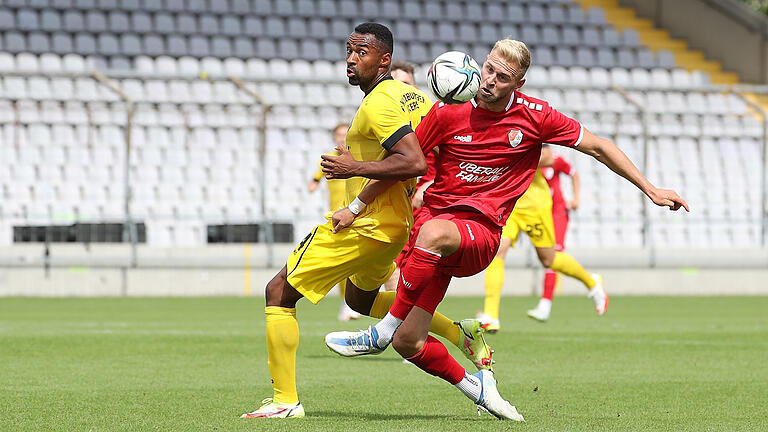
323	259
536	223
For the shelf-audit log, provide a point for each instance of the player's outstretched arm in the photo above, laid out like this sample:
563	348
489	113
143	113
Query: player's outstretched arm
606	152
406	160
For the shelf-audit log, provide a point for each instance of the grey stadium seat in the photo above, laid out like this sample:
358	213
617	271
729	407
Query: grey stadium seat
631	39
297	28
95	21
590	37
606	57
425	31
221	46
557	15
230	26
253	26
576	15
626	59
390	9
333	50
197	6
515	13
453	11
318	28
50	20
645	58
208	25
14	42
241	7
564	56
38	43
348	9
340	28
61	43
27	19
287	49
107	44
120	63
265	48
305	8
85	44
262	7
175	5
550	36
243	47
404	30
611	37
283	8
198	46
585	57
468	32
141	22
310	50
531	35
494	12
186	24
571	36
119	22
433	11
130	45
536	14
164	23
74	21
446	32
177	46
489	32
275	27
153	45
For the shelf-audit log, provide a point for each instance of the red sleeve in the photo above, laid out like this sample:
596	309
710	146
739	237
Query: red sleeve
560	129
428	131
562	165
431	169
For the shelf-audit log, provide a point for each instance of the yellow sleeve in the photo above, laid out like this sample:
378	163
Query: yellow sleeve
383	118
319	174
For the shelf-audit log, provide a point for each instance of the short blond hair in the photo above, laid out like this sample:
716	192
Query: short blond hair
514	51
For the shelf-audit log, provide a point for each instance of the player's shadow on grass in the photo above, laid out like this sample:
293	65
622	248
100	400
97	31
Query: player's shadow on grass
378	416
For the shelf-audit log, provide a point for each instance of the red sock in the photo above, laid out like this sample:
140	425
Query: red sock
435	360
550	279
419	269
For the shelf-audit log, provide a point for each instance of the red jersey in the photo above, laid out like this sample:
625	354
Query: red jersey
430	175
487	159
552	175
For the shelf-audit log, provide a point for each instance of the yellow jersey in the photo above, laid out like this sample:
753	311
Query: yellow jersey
336	189
390	111
537	196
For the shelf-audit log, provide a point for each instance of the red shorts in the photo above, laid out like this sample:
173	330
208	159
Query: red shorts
480	240
414	231
560	219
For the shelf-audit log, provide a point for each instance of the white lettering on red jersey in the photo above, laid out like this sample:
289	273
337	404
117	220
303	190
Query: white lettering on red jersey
552	176
492	170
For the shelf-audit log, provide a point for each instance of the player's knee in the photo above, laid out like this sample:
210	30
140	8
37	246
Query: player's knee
407	345
434	235
546	259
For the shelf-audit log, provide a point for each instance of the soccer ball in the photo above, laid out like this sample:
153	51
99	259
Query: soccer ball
454	77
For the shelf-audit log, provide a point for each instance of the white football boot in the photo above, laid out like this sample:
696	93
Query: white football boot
272	409
354	343
491	401
598	295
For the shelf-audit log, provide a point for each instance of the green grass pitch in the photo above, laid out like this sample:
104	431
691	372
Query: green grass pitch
650	364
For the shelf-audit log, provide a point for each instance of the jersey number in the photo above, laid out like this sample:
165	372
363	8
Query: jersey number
534	231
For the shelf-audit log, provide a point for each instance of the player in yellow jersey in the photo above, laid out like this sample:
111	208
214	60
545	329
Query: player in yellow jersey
336	193
361	241
533	214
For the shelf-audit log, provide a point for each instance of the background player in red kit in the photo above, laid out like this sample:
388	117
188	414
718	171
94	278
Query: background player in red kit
489	152
560	210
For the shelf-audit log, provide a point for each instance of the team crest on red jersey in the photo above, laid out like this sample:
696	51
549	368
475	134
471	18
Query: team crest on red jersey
515	137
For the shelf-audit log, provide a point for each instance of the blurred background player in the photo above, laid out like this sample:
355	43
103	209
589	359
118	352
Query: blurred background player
403	71
336	191
560	210
533	214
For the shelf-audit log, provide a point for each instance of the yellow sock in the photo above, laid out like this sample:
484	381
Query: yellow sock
441	324
568	266
558	285
343	288
282	343
494	281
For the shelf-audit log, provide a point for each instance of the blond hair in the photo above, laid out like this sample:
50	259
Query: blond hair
514	51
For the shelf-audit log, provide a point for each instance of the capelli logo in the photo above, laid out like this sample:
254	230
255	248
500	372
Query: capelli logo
463	138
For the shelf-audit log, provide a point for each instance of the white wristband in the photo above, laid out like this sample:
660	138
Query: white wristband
356	206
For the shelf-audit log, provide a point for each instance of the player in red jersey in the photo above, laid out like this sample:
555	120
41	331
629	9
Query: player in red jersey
489	152
560	210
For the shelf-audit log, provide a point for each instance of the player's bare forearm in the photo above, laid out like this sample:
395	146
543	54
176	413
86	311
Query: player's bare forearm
375	188
406	160
576	183
611	156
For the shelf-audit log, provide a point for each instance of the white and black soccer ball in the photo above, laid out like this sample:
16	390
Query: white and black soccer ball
454	77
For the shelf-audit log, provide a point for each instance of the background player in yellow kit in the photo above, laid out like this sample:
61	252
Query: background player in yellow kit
361	241
533	214
336	193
